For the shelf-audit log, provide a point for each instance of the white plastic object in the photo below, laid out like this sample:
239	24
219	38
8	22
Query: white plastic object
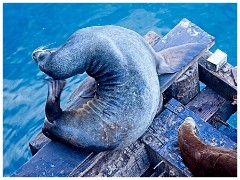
216	60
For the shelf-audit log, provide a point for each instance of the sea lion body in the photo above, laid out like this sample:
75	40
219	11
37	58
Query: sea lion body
202	159
128	92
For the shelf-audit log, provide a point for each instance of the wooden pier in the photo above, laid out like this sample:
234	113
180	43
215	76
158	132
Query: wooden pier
156	152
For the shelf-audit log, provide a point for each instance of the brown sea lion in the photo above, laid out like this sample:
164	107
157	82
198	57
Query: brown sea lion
202	159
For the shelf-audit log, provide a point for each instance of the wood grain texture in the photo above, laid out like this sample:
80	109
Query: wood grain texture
38	142
212	107
185	88
185	32
129	162
53	160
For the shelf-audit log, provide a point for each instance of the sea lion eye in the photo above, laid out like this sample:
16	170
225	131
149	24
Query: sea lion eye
41	56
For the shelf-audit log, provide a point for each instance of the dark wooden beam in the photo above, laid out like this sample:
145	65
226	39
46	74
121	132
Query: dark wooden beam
221	82
38	142
214	109
130	162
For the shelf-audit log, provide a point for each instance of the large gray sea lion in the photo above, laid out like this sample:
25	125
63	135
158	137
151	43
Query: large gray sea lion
202	159
127	94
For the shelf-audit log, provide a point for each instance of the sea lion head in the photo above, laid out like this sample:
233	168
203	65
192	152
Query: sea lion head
43	57
189	121
63	62
40	55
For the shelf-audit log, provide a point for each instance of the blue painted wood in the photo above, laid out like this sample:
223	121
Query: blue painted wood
184	33
53	160
210	107
205	131
229	132
162	136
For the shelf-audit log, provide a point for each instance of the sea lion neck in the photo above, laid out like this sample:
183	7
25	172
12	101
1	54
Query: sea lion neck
107	66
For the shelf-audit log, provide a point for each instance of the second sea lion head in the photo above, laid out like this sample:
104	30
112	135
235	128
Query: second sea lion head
189	121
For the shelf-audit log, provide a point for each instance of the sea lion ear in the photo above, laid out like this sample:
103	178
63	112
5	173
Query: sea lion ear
173	59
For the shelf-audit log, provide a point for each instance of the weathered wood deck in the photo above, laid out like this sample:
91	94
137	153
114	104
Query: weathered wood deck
156	153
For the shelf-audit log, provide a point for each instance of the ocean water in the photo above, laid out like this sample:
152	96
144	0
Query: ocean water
28	26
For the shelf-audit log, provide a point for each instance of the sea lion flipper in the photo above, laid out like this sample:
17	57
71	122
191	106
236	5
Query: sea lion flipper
87	89
52	108
173	59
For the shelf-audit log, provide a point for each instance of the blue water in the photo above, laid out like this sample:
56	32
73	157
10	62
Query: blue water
28	26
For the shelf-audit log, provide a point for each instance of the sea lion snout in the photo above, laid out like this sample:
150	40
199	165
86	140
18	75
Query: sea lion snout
190	121
40	55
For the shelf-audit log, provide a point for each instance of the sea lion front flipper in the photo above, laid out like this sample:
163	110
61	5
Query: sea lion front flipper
82	94
52	108
86	89
173	59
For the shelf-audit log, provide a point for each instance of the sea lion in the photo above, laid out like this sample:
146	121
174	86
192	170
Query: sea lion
202	159
125	70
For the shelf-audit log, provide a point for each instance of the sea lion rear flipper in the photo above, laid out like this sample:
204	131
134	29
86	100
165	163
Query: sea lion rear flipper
173	59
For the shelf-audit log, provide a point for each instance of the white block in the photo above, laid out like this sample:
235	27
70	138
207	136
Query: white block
216	60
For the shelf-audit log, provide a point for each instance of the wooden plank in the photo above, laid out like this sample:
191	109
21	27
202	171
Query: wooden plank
162	169
53	160
208	105
38	142
161	140
185	32
221	82
129	162
161	137
206	132
214	109
234	74
229	132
